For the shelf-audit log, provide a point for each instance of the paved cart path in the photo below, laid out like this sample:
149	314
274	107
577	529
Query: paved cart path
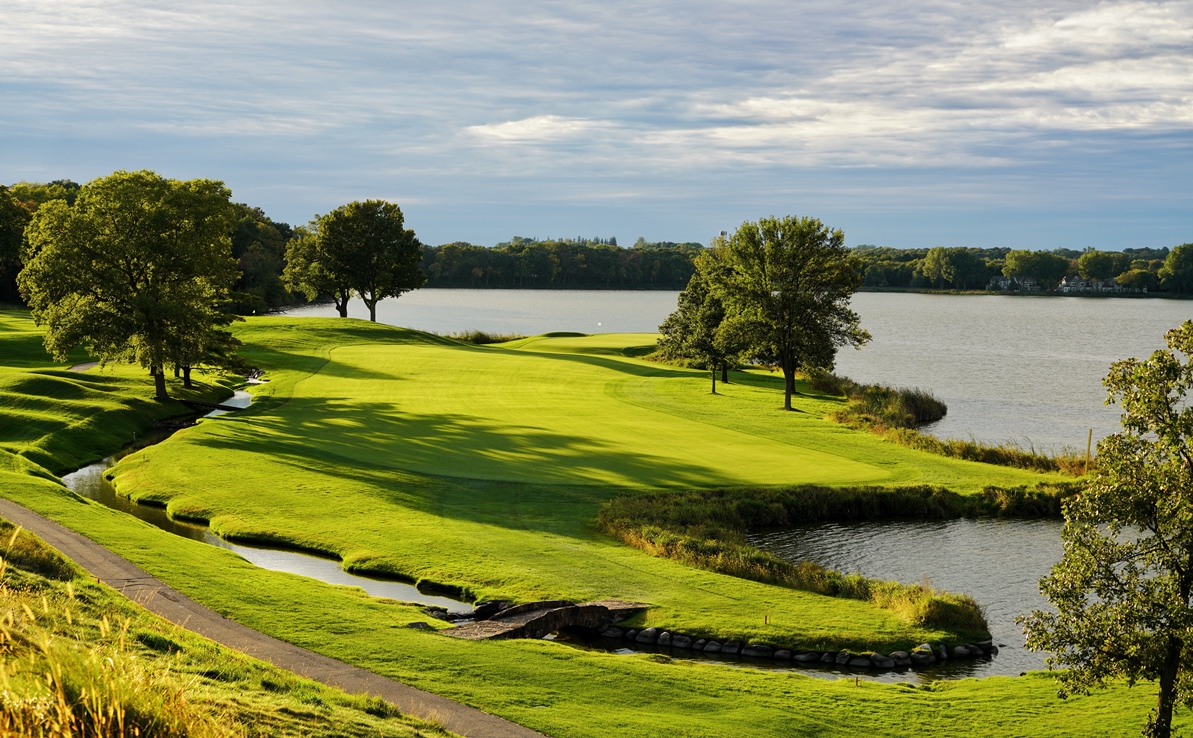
155	596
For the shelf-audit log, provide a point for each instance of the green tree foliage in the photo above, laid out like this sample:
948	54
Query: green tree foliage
13	219
691	332
1045	267
1102	265
786	285
1123	586
1139	279
561	264
959	268
359	248
136	270
1177	273
368	243
313	272
36	194
259	247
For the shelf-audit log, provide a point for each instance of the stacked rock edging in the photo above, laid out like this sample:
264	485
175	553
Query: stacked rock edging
924	654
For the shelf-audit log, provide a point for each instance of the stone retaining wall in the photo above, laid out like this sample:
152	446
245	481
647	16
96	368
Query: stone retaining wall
924	654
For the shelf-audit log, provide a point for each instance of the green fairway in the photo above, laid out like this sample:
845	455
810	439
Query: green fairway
409	453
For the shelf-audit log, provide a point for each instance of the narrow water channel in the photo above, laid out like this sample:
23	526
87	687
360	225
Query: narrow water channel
89	482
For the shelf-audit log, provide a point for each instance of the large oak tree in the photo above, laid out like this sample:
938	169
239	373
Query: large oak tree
786	285
137	270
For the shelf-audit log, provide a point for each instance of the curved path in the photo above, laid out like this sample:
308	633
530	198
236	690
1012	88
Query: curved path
155	596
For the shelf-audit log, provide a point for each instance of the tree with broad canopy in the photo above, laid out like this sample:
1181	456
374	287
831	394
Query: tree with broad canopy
786	285
137	270
1123	585
361	248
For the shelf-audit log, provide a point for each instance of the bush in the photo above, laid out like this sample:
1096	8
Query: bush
481	338
878	405
896	414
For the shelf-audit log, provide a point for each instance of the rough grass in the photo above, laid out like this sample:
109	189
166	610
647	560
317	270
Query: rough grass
481	338
79	660
877	404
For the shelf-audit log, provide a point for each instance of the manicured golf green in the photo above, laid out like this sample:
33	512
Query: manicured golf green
484	467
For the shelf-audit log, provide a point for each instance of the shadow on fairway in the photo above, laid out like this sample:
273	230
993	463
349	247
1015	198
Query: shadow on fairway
365	437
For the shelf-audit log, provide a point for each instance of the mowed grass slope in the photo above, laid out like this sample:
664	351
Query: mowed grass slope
483	468
59	419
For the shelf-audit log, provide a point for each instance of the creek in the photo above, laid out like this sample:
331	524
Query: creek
90	482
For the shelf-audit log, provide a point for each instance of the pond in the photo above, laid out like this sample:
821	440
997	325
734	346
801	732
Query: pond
997	562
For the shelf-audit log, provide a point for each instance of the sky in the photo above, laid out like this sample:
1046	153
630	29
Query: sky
906	124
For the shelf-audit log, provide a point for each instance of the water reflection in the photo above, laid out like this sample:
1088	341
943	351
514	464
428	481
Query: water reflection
998	562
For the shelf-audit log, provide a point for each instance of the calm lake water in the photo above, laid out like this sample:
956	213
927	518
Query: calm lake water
1021	369
997	562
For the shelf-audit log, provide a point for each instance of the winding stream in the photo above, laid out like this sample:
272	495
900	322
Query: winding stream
89	482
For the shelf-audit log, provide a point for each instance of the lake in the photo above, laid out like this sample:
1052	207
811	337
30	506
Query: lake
1021	369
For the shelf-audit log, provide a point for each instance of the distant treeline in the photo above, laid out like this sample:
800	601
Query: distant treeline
1153	270
564	263
259	246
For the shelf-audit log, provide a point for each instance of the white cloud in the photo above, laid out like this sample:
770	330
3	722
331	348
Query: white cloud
538	129
630	94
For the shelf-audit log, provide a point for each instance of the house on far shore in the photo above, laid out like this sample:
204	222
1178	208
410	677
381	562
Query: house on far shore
1013	284
1077	284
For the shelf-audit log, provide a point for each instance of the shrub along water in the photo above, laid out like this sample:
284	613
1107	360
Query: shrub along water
896	413
482	338
706	529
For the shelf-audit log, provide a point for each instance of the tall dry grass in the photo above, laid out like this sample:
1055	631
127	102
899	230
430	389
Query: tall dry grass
64	674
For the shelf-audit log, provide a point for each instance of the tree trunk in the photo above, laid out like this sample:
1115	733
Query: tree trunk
788	386
177	371
341	304
725	373
1161	727
713	371
372	303
186	377
159	382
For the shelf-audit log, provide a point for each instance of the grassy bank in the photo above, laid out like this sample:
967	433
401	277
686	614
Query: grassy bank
79	659
486	467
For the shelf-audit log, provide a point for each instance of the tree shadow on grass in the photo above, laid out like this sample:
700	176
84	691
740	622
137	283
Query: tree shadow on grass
382	435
